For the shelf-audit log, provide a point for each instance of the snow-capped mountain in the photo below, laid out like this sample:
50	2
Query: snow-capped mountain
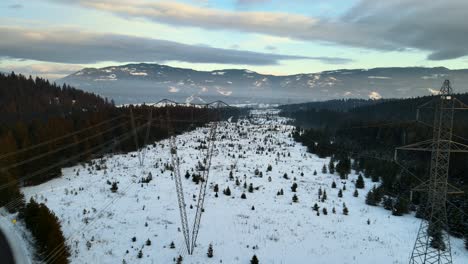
146	82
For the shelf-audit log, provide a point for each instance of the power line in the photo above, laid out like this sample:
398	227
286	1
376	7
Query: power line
59	138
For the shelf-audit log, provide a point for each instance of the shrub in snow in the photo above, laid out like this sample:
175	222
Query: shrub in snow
114	187
295	199
355	194
294	187
243	196
210	251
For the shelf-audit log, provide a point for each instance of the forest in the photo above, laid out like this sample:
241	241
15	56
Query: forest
45	127
364	138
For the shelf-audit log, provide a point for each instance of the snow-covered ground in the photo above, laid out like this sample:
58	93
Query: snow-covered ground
277	231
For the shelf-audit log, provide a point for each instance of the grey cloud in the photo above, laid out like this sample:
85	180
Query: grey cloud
15	6
74	46
438	27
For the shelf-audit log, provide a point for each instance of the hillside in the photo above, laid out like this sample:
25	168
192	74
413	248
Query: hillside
100	225
156	81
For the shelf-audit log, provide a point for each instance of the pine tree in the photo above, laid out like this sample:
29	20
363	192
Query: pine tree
227	191
179	260
187	175
148	242
345	210
243	196
216	188
140	254
331	167
333	184
315	172
114	187
324	211
254	260
340	193
370	198
355	194
334	210
324	169
172	245
210	251
269	168
360	182
295	199
316	207
401	207
294	187
251	188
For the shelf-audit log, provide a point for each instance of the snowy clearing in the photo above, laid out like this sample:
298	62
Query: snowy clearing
101	224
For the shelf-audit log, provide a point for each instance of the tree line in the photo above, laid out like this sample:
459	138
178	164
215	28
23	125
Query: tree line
368	135
70	126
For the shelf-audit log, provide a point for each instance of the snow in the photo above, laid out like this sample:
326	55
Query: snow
277	231
139	73
18	237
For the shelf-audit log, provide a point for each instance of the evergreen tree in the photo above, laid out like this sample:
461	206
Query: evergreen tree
355	194
324	169
345	210
254	260
401	207
210	251
340	194
140	254
216	188
294	187
114	187
295	199
251	188
333	184
243	196
360	182
227	191
331	166
316	207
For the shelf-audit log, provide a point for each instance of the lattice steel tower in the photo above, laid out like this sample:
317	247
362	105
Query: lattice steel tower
433	242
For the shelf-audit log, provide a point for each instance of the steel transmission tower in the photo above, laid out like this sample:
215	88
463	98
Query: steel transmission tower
433	242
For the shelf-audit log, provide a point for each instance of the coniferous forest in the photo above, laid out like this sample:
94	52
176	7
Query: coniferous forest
363	136
45	127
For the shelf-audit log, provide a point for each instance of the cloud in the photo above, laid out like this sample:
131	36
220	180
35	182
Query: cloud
438	27
15	6
75	46
249	2
49	70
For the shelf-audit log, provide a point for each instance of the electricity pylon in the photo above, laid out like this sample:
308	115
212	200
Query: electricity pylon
433	242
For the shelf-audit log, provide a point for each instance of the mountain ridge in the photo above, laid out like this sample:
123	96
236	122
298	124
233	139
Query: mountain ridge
141	81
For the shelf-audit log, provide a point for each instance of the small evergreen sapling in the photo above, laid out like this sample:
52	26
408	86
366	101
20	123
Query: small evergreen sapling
210	251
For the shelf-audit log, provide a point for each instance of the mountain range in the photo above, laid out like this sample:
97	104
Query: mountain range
145	82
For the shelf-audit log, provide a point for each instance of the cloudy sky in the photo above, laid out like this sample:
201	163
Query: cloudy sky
53	38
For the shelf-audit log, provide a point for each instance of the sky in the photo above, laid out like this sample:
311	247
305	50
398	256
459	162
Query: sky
53	38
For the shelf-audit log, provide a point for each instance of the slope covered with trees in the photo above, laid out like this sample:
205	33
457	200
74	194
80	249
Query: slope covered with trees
367	136
45	127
